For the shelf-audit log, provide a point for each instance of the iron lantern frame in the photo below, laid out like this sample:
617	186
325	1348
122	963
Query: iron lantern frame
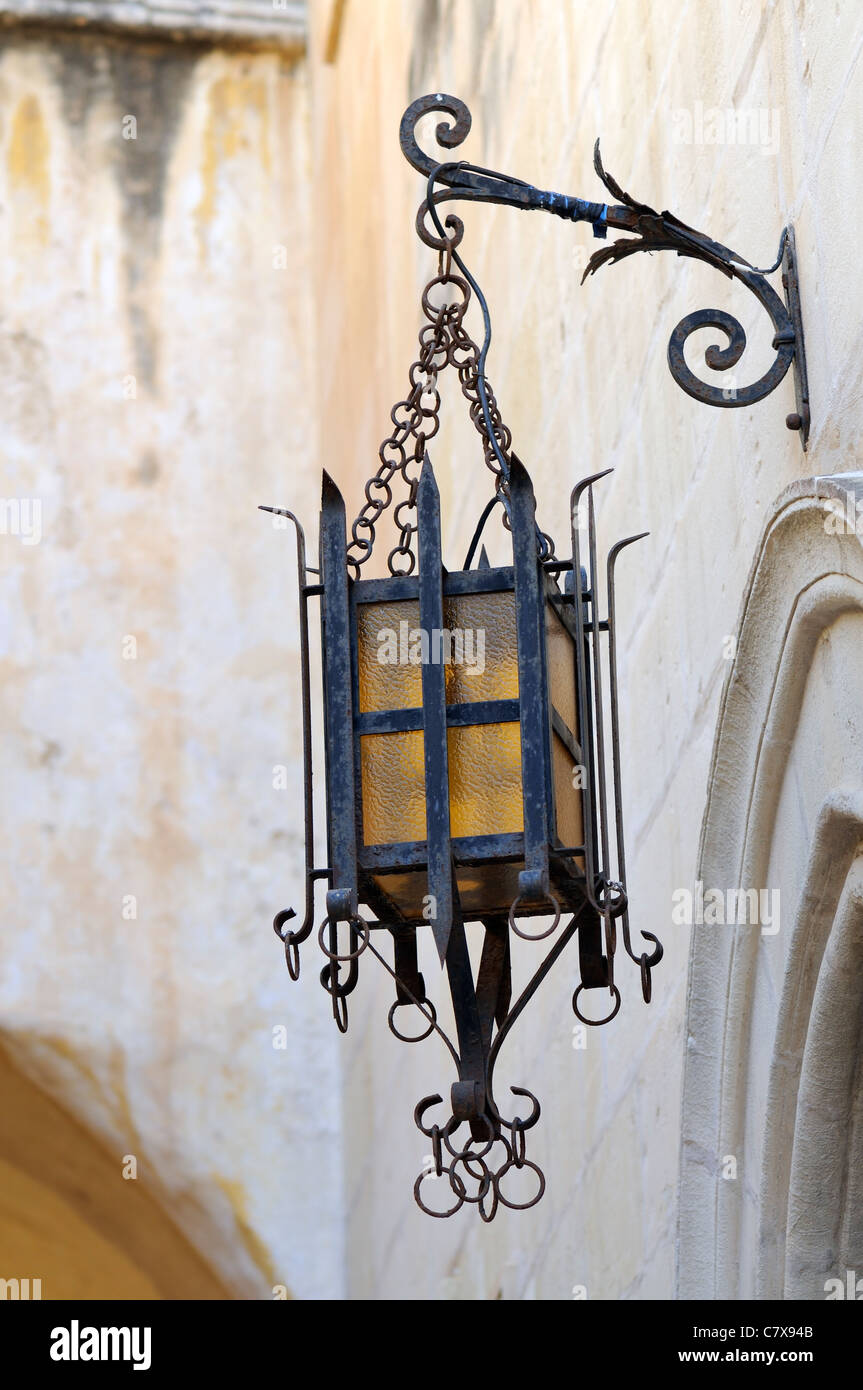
586	881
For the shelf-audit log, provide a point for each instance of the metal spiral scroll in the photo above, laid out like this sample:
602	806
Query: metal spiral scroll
653	231
662	231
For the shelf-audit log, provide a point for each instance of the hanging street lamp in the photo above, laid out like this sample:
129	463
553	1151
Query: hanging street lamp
471	715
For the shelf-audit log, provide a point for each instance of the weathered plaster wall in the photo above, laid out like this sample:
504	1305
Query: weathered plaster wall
156	347
581	377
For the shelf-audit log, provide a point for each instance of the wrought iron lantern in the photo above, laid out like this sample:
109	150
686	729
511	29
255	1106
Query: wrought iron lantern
483	795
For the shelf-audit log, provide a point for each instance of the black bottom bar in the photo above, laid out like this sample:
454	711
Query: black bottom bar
232	1338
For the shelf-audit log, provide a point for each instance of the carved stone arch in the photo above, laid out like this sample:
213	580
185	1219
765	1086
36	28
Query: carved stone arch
76	1222
775	1017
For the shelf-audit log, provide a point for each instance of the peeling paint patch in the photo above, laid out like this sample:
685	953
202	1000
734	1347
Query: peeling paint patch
230	133
256	1249
28	162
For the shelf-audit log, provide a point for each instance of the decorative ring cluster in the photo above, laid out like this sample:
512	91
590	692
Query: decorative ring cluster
473	1177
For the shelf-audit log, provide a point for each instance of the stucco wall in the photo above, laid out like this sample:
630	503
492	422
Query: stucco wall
581	377
156	371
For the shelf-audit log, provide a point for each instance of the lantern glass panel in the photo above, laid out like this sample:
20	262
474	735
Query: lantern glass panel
561	669
567	798
485	779
479	650
385	680
394	793
483	647
560	648
483	888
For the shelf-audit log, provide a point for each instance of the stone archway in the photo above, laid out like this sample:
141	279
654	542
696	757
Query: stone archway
70	1221
775	1020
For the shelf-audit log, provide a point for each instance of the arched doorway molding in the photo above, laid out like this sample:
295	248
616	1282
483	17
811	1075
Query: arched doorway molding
770	1205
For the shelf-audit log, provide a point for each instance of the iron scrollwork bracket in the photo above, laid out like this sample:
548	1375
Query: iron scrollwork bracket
649	231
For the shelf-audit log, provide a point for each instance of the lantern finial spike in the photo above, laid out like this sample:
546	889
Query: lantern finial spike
330	492
427	481
520	480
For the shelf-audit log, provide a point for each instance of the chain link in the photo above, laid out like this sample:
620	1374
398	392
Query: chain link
443	341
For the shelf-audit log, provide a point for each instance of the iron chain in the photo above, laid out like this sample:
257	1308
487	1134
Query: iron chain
443	341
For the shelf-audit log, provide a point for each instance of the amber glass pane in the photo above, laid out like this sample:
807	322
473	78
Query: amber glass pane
485	783
561	669
394	801
482	888
387	678
567	797
484	760
477	646
484	655
485	779
488	887
407	891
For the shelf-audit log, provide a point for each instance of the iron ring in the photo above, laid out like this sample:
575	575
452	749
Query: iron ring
486	1182
520	1206
460	1153
646	984
461	1196
595	1022
292	955
526	936
402	1037
351	955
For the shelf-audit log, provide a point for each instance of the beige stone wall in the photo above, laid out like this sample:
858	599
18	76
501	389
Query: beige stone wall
581	377
156	369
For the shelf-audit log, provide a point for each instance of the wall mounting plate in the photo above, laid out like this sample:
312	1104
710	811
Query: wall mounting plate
800	418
